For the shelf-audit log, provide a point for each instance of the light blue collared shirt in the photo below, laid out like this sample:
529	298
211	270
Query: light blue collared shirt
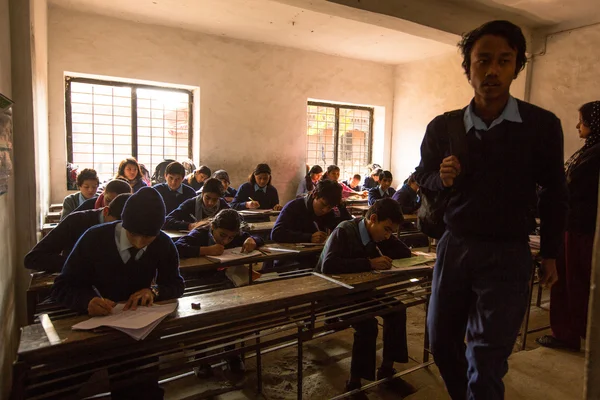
123	244
381	192
510	113
81	199
257	188
364	233
178	190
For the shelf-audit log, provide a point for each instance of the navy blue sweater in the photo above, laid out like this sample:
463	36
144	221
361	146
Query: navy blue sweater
173	199
375	195
52	251
344	252
95	260
296	222
89	204
246	191
230	192
189	246
503	166
369	183
408	199
181	217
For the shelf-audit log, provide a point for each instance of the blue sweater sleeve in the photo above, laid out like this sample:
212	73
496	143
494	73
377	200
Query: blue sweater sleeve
288	226
46	254
241	197
335	260
427	174
170	283
181	217
189	246
373	195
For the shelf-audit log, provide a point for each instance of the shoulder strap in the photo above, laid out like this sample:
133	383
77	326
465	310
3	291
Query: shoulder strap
457	135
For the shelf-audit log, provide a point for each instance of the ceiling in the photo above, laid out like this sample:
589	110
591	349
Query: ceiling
272	22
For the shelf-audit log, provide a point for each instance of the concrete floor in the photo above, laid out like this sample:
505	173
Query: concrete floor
537	373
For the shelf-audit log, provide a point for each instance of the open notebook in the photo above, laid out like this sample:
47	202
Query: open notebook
233	255
410	263
138	324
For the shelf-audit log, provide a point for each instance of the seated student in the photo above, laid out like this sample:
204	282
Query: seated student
111	190
196	179
173	191
408	196
363	245
257	192
128	261
353	183
129	169
223	176
196	211
372	180
308	183
384	190
333	173
87	182
52	251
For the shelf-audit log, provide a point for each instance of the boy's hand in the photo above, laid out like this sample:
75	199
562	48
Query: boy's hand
214	250
98	307
318	237
449	170
250	205
548	274
381	263
277	207
249	245
144	297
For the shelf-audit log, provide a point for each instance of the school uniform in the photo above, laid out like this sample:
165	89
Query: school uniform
194	184
408	199
189	245
267	196
230	192
369	183
303	188
50	253
355	188
174	198
89	204
188	212
377	193
348	250
70	203
481	277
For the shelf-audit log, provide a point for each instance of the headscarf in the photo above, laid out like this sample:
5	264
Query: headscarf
590	116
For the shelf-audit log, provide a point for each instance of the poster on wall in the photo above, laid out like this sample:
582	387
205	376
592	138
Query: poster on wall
6	142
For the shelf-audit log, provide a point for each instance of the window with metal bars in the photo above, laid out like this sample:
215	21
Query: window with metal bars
339	134
108	121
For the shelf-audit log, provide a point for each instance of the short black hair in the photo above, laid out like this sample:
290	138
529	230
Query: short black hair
117	186
385	175
87	174
204	170
213	185
385	209
376	171
356	176
505	29
329	190
330	169
175	168
227	219
115	208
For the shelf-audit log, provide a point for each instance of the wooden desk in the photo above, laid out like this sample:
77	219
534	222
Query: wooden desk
55	207
262	213
53	216
263	317
410	217
356	200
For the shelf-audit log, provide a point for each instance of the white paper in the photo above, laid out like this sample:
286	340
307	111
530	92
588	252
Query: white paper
233	255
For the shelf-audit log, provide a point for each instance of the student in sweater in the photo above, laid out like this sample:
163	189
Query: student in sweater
408	196
87	182
372	180
257	192
363	245
196	179
197	211
223	177
310	180
481	276
50	253
333	173
384	190
353	183
173	191
112	190
129	169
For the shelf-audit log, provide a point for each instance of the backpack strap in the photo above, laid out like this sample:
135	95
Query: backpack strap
457	136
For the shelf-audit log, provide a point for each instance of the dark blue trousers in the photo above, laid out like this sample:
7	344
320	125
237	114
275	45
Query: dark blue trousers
480	290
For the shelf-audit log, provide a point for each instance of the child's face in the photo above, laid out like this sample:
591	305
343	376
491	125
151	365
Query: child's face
385	183
139	241
375	178
316	177
354	182
130	171
89	187
174	181
200	177
334	175
223	236
320	207
210	199
224	183
380	231
262	179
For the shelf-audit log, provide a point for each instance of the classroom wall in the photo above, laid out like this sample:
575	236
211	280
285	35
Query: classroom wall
422	90
252	96
566	77
8	328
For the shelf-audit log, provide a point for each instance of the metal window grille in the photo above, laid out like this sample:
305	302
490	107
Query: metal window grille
339	134
108	121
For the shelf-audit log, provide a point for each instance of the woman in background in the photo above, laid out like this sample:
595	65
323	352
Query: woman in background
310	180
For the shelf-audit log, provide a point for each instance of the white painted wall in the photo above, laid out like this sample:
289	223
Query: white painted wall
566	77
252	96
424	89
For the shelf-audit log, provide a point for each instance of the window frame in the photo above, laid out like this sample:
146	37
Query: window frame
134	118
336	138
